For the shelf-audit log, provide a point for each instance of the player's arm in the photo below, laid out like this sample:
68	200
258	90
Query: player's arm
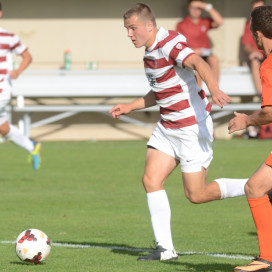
198	64
144	102
242	121
26	60
215	15
249	49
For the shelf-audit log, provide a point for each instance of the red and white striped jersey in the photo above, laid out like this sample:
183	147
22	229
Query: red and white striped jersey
9	43
182	103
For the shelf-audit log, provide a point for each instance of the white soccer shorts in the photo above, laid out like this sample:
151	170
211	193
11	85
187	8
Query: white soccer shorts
5	97
191	146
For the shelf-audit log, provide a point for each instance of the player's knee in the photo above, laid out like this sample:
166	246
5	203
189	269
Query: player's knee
150	183
248	189
4	130
194	197
255	190
146	180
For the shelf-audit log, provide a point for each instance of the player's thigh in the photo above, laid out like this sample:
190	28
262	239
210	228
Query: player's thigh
195	182
213	61
5	97
260	183
158	166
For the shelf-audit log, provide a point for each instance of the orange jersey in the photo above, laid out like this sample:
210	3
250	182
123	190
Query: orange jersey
268	161
266	79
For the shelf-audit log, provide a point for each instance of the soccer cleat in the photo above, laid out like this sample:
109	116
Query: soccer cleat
258	265
160	254
34	156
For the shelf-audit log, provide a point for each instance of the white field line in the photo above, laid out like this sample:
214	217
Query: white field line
237	257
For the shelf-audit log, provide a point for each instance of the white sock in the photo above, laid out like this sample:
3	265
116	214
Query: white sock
19	139
231	187
160	213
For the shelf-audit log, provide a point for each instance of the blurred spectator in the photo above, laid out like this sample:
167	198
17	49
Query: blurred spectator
195	28
254	55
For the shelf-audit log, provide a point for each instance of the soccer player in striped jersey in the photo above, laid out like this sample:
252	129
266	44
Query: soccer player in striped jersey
185	132
10	43
260	183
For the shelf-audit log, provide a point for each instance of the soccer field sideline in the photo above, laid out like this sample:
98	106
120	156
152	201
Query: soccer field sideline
216	255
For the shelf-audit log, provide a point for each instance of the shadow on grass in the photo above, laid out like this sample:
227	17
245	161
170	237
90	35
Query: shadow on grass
26	263
115	248
203	267
136	252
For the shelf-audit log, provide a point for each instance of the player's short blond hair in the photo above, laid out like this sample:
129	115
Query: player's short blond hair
143	11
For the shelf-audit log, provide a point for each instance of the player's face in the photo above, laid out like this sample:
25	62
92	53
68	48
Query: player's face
194	11
256	38
138	31
257	4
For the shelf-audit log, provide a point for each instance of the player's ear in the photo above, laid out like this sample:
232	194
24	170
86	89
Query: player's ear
259	35
150	26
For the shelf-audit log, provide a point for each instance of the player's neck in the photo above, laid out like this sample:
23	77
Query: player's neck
152	38
267	45
194	19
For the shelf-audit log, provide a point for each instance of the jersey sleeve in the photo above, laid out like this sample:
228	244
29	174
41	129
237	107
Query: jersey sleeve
179	53
266	79
16	45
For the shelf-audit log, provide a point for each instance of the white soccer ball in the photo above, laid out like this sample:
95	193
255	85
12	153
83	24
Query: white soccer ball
33	246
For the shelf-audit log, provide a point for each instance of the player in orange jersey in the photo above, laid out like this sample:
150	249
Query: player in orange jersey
260	183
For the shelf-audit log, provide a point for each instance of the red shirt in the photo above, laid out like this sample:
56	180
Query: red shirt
266	79
247	37
196	34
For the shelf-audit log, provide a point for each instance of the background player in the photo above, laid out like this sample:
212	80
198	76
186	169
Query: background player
10	43
260	183
184	133
255	56
195	28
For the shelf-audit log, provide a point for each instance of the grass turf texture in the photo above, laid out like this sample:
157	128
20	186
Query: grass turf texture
91	193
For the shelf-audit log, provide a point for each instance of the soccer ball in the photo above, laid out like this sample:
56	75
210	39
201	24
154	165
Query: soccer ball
32	246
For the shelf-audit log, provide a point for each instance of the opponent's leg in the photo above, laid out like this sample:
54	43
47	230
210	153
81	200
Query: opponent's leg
158	167
256	190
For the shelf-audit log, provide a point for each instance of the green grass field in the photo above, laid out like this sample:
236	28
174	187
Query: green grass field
90	193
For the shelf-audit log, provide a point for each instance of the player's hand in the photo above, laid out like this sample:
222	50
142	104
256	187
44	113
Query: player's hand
13	74
198	4
239	122
220	98
197	51
119	109
256	55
